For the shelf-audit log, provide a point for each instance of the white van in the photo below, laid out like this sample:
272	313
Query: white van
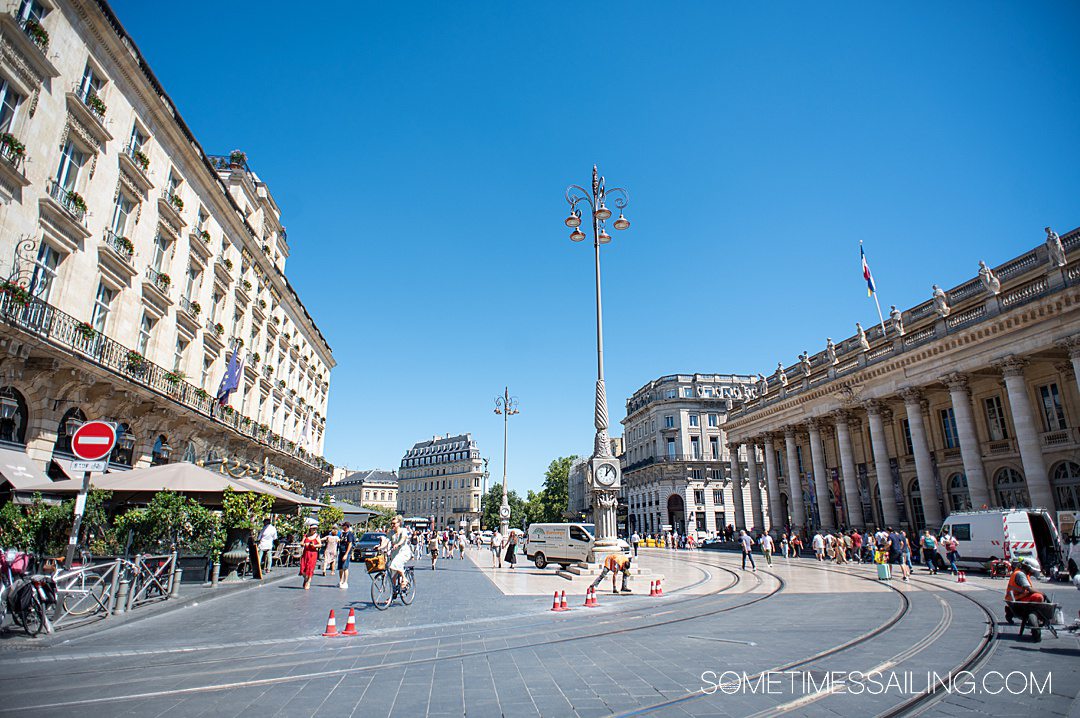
980	536
563	544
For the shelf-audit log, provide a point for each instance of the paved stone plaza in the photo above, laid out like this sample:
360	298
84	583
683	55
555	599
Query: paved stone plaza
467	648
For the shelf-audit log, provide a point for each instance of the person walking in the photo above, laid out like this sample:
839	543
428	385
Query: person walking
345	546
634	541
511	549
747	544
267	536
496	550
785	545
856	546
929	551
309	556
818	544
330	555
796	545
433	549
766	543
905	555
952	551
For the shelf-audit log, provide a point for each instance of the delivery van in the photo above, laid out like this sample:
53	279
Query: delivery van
563	544
982	536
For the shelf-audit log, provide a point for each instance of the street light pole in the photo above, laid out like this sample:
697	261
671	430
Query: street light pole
605	472
507	406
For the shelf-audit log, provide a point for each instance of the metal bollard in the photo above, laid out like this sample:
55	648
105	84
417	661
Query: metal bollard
215	572
123	593
177	574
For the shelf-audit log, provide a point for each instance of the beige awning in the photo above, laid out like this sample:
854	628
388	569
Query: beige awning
19	470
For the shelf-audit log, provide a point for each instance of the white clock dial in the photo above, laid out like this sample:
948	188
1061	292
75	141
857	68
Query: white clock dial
606	474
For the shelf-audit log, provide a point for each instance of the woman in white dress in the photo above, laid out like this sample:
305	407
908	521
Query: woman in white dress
400	553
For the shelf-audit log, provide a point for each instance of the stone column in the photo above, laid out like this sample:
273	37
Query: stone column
924	465
889	514
849	478
969	442
776	511
736	488
798	511
755	487
1038	481
821	477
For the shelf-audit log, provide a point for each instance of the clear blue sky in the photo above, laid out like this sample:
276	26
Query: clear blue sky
420	152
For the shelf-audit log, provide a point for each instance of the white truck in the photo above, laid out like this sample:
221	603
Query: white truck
562	544
1004	533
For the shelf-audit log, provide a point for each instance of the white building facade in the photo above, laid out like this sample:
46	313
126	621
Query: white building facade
441	478
967	400
366	488
677	468
135	263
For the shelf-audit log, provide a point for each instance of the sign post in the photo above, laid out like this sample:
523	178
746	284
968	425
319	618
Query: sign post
92	442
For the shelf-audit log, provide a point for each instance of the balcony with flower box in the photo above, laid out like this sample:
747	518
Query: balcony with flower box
89	110
118	254
30	40
258	311
66	211
158	285
12	155
136	165
243	292
199	241
223	271
214	334
170	205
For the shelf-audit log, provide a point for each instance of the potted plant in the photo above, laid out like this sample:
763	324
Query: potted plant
140	157
176	202
135	362
239	514
196	307
281	384
96	104
164	280
205	235
201	393
262	304
37	33
256	357
237	158
85	331
219	329
175	377
246	285
75	200
126	244
227	263
14	147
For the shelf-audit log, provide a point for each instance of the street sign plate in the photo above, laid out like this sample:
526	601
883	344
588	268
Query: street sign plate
95	466
93	440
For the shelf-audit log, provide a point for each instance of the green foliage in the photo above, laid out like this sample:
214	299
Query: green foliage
170	522
328	517
380	520
244	510
493	500
294	526
555	496
43	529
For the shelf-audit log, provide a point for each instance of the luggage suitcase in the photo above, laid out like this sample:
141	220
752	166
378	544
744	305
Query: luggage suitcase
883	572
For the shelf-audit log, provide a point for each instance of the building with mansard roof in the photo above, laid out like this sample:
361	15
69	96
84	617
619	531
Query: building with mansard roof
136	264
441	478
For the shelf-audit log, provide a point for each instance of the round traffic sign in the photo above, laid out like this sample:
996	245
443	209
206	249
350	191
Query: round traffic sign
93	440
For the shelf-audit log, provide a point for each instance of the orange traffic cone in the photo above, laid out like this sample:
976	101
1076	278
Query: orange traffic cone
331	626
659	588
350	624
652	589
590	598
960	577
555	602
563	606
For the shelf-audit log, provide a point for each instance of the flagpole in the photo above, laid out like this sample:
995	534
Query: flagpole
881	318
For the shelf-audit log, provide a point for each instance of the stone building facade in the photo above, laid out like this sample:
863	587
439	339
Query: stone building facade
441	477
366	488
967	400
677	467
134	263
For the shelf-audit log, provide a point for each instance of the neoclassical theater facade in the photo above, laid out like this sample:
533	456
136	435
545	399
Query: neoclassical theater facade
968	400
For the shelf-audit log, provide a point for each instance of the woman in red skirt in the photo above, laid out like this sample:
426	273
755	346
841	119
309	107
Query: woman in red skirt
310	556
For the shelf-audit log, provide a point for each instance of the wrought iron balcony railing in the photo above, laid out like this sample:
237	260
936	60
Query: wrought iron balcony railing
64	331
161	280
69	200
34	31
120	245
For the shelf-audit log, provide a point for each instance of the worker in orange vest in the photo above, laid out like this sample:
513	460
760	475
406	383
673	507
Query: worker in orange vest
615	563
1020	588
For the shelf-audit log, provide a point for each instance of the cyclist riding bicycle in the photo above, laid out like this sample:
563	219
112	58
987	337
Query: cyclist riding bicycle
399	552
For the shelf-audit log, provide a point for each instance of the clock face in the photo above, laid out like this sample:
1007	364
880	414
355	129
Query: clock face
606	474
504	512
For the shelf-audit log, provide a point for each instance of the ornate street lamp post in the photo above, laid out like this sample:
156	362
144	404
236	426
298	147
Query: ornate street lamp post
604	471
507	406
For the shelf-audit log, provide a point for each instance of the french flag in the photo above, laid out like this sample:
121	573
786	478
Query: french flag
870	289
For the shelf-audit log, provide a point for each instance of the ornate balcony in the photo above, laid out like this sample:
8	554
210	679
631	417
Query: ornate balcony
159	284
137	166
89	111
71	201
170	206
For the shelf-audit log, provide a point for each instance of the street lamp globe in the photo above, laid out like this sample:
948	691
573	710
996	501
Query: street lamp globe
574	220
577	235
602	213
604	237
622	222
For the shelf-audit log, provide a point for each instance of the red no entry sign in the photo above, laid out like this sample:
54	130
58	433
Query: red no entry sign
93	440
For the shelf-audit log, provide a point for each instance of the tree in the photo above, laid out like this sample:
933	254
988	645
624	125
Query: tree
329	517
382	517
492	502
555	496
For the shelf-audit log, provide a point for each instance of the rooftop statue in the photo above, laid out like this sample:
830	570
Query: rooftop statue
1056	248
989	280
863	342
941	304
830	350
896	320
780	375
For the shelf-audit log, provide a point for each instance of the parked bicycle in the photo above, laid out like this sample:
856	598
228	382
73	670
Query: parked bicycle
25	597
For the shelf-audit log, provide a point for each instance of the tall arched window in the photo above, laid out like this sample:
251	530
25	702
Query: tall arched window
13	417
1011	489
959	497
918	518
1065	478
68	422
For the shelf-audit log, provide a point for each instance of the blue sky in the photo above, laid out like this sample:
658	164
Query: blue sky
420	152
